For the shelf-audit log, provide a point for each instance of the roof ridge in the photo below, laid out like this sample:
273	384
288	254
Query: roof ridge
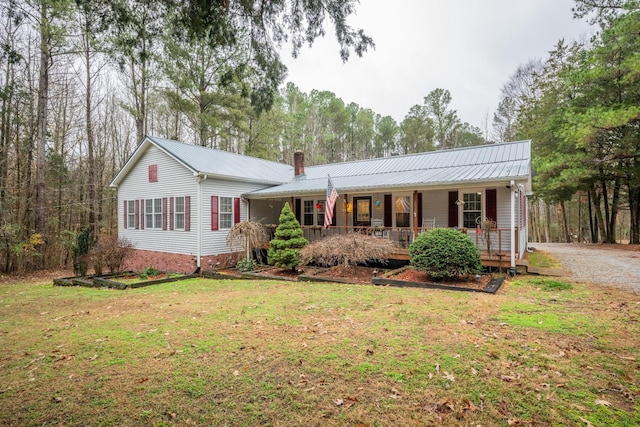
424	153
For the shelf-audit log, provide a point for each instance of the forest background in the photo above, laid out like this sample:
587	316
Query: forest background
81	83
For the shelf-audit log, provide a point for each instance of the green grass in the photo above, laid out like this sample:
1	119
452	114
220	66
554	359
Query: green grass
542	260
210	352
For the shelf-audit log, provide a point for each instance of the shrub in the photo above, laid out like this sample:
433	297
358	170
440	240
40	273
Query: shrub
247	264
284	249
149	272
112	252
80	247
349	250
247	233
445	253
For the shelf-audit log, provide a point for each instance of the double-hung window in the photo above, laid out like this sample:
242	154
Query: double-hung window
226	212
472	210
179	213
153	213
131	213
307	217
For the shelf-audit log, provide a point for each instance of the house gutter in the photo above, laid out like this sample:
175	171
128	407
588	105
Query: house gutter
199	178
513	187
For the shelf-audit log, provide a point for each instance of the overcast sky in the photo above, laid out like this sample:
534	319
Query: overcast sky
469	47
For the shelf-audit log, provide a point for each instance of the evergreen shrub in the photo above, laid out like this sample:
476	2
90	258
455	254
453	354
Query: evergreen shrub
284	248
445	253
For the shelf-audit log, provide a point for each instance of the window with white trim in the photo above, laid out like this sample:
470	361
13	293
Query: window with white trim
179	213
153	213
226	212
307	212
403	211
131	213
472	209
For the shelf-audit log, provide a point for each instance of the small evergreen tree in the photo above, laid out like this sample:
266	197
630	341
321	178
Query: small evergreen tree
284	249
445	253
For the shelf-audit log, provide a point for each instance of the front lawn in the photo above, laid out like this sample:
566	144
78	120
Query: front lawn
223	352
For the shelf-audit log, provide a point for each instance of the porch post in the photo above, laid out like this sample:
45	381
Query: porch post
414	209
513	229
346	213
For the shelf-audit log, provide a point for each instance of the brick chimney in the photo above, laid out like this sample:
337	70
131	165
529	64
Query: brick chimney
298	162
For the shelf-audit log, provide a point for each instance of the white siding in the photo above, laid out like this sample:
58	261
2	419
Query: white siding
173	180
435	204
215	242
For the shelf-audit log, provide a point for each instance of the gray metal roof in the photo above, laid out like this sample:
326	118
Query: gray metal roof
481	164
213	163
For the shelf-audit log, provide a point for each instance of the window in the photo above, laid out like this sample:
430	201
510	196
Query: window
307	217
131	213
320	214
472	210
179	213
403	212
153	213
226	212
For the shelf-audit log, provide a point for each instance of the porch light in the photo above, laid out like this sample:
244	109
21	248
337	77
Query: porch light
459	202
349	207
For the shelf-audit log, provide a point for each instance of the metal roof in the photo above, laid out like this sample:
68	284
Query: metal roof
213	163
465	166
482	164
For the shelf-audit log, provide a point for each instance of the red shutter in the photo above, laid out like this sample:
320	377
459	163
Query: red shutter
125	214
214	213
153	173
136	206
187	213
236	210
453	209
142	213
171	213
164	213
492	205
388	216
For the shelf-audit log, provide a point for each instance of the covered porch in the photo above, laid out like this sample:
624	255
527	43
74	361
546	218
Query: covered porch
400	216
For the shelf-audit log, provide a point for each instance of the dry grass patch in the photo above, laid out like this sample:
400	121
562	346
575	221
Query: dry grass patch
274	353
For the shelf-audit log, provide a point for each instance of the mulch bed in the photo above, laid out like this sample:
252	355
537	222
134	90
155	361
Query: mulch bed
404	277
409	277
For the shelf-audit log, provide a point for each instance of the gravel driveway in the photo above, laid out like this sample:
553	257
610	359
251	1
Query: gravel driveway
599	264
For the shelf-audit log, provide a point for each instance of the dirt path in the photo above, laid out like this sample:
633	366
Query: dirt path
615	265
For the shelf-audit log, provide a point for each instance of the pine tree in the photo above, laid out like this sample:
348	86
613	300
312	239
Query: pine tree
284	249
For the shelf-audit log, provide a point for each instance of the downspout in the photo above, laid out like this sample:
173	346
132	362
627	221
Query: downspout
513	188
199	178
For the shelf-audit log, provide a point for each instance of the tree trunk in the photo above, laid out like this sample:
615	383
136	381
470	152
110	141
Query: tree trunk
634	210
43	99
91	172
565	225
547	223
615	202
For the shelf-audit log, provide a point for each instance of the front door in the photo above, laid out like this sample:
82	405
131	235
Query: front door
362	211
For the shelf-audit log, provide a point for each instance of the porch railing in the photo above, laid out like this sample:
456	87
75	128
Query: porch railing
403	236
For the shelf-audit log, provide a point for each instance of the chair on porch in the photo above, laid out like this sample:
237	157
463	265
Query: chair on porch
378	228
428	224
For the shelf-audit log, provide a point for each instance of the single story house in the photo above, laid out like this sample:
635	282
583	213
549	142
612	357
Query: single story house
178	201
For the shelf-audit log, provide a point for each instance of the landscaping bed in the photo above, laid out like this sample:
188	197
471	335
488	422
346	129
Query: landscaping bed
410	277
124	280
406	277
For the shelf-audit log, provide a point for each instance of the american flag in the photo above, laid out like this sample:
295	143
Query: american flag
332	197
